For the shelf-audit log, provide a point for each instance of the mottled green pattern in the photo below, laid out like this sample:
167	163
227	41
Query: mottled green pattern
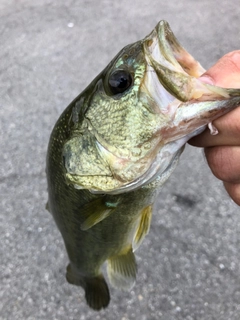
109	153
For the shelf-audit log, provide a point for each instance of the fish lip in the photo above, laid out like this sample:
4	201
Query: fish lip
162	45
171	65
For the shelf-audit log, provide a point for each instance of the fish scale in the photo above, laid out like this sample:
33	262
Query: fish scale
114	147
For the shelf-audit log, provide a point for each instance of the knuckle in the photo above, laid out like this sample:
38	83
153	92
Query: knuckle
235	124
220	162
230	123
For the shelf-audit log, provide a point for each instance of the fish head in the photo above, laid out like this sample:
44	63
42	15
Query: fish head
130	125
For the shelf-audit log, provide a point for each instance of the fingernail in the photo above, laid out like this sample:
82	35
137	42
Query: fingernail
206	79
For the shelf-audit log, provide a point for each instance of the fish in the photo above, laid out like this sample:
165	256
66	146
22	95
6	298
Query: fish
114	147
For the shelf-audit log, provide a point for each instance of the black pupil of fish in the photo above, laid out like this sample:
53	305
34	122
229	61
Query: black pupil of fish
119	81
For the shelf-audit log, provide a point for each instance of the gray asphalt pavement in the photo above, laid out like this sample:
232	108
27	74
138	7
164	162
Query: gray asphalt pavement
189	263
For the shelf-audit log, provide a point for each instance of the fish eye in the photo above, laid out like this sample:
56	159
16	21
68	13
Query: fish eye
119	81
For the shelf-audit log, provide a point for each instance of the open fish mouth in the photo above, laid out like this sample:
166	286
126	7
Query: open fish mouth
182	105
173	67
172	73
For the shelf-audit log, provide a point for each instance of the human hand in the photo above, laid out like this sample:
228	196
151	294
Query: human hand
223	150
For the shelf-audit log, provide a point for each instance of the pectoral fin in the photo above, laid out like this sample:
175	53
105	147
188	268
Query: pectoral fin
143	227
122	269
96	211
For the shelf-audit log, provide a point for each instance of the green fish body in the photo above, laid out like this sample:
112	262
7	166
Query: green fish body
114	147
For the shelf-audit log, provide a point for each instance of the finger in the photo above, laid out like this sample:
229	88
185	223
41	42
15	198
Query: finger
224	163
228	127
226	72
233	191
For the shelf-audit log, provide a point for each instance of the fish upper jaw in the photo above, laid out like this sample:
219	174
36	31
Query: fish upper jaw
172	80
172	67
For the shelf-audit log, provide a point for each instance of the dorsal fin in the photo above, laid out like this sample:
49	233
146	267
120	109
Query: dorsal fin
143	227
122	269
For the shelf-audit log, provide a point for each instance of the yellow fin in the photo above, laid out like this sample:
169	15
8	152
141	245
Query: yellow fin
96	211
122	269
143	227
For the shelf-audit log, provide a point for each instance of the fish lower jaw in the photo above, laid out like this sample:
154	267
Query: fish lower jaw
155	176
129	176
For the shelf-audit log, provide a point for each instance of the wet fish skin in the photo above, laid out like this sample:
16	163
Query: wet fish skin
109	153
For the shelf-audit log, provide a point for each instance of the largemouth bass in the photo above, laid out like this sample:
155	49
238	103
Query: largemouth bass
114	147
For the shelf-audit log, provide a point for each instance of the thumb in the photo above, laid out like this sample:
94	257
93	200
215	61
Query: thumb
226	72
